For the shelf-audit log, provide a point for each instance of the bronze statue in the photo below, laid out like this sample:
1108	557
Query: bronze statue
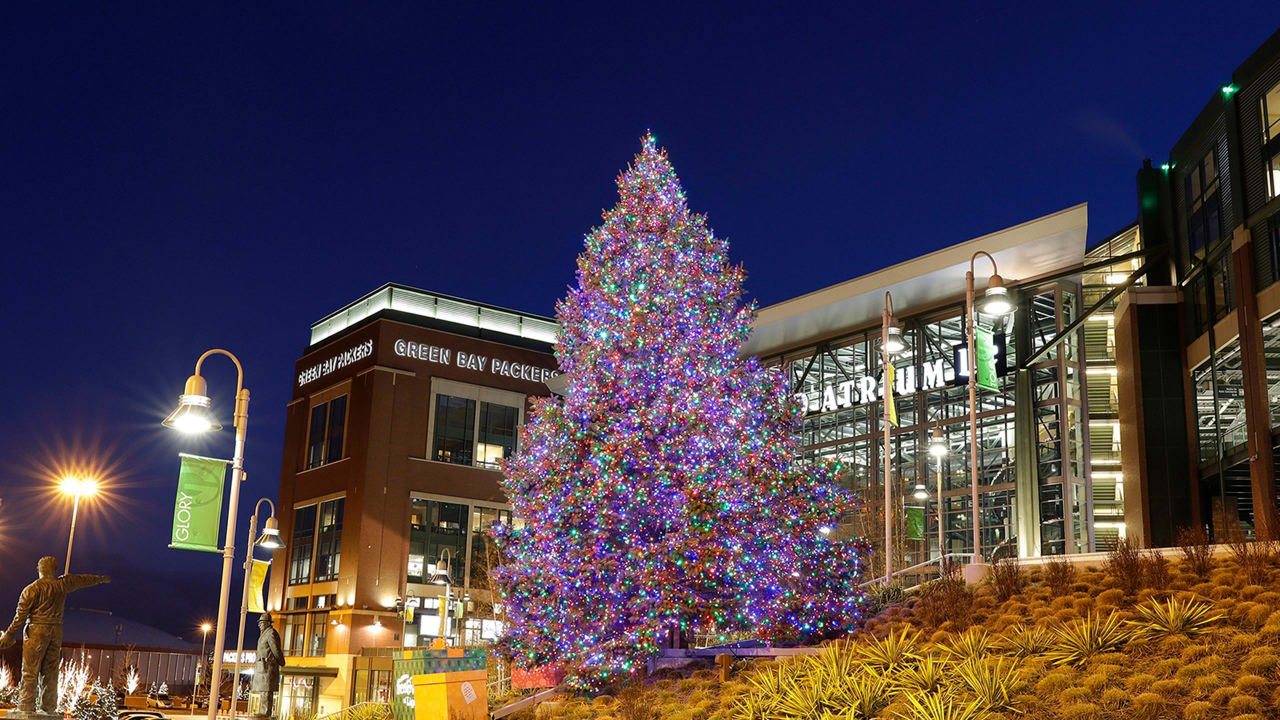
39	614
266	672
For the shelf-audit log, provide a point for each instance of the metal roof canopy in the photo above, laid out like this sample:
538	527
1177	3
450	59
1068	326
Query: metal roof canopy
1032	249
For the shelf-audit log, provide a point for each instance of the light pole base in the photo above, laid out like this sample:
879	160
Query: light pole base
975	572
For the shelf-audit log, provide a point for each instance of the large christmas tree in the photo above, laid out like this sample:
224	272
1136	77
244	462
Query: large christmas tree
660	492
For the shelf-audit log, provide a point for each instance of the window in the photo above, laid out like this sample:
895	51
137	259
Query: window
1203	207
329	540
474	425
328	426
433	527
482	521
1273	174
455	430
497	434
295	626
1271	114
319	631
304	533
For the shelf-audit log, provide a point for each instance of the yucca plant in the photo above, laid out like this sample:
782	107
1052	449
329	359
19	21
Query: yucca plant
899	649
937	707
866	696
1023	641
801	699
930	674
991	681
974	642
1175	617
1081	639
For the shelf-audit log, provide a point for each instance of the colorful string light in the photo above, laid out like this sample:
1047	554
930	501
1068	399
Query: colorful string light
661	493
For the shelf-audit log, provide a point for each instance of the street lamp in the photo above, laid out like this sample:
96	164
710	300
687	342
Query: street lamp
269	539
204	628
441	577
76	488
995	301
193	415
890	344
939	449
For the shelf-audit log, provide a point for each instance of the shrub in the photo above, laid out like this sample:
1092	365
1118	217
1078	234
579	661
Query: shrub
880	597
1125	565
1077	642
1080	711
1058	575
938	707
946	603
865	697
1206	684
931	674
1168	687
1198	710
1196	551
1155	570
974	642
896	650
1147	704
1008	578
1241	704
1254	558
1251	684
1054	683
633	705
1222	695
992	682
1114	697
1261	664
1174	617
1022	641
1139	682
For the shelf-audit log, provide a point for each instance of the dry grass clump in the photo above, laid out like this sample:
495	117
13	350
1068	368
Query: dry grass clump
1008	579
1198	710
1125	566
1058	575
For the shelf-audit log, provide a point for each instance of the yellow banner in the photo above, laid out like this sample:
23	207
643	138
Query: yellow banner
257	578
890	405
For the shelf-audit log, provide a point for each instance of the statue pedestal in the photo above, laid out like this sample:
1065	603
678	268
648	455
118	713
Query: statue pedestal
16	714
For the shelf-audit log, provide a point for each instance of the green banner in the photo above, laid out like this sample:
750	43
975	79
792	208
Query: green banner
915	522
984	343
197	511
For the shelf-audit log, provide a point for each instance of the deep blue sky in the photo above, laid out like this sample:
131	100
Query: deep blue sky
177	177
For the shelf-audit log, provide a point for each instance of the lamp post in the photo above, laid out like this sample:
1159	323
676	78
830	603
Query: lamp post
204	628
995	301
442	578
193	416
76	487
938	449
890	344
270	539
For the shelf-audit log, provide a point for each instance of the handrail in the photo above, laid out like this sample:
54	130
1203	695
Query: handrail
523	703
938	560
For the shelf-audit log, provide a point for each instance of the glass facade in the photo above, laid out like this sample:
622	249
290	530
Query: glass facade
839	384
462	527
1101	381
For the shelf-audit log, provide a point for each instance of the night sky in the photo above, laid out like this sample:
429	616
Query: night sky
178	177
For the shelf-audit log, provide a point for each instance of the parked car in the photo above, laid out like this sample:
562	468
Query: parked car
159	700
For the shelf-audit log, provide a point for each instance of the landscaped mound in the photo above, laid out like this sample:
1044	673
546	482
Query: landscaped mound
1141	638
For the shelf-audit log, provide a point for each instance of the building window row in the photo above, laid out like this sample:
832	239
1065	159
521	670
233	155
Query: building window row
1271	139
306	625
1203	205
473	425
315	552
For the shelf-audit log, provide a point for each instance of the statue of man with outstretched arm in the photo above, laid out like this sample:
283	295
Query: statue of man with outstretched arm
39	619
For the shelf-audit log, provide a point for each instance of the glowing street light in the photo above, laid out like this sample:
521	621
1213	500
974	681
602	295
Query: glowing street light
76	488
269	539
205	627
192	416
442	578
995	301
